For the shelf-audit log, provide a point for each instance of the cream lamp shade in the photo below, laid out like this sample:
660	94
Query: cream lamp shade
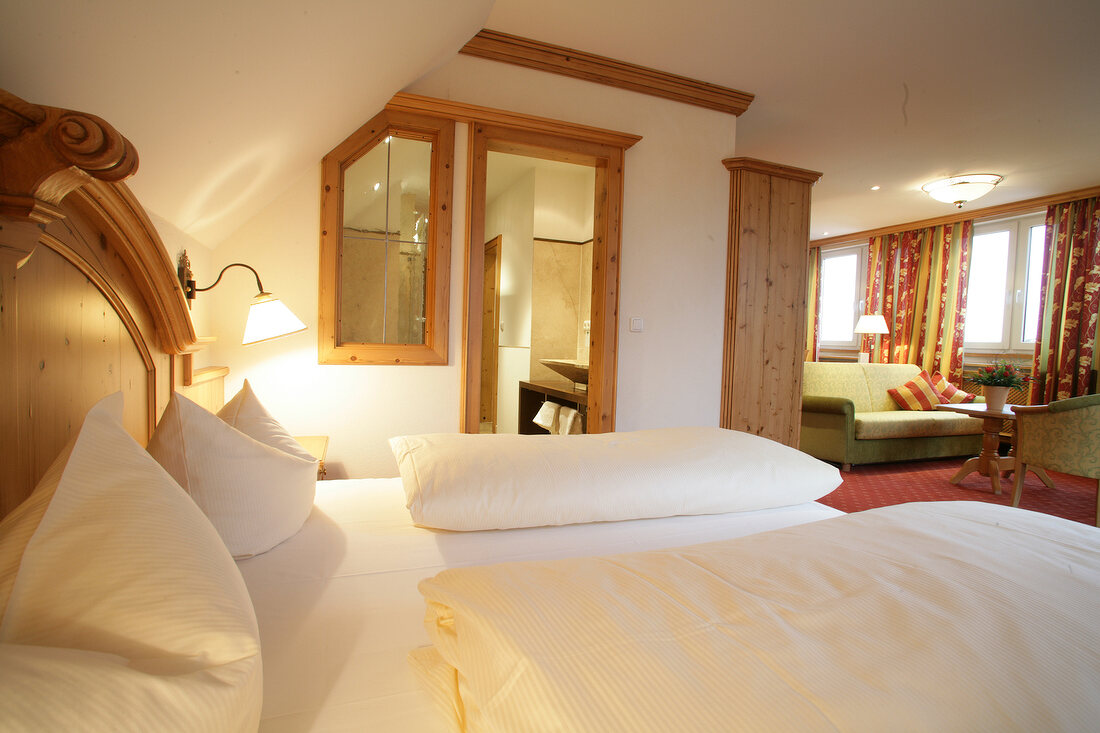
871	324
269	319
960	189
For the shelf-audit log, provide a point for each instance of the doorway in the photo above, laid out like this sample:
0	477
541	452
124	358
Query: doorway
537	277
602	151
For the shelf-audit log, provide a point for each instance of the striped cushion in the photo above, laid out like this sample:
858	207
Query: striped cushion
917	394
949	392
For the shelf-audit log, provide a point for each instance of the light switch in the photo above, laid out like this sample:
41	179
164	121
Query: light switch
637	325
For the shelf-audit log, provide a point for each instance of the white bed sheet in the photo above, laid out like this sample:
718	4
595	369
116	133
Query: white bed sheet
339	611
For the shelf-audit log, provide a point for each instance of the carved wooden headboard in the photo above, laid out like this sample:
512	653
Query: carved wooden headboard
89	300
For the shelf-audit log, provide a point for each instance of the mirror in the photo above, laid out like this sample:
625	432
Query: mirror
385	242
383	255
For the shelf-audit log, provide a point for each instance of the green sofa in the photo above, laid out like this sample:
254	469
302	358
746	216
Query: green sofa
849	418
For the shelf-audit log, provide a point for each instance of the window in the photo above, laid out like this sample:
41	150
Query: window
1002	297
843	284
385	242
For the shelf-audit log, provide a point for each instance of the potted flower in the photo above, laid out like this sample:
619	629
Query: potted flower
996	379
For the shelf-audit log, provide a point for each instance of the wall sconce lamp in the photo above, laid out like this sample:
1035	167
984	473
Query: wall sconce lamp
868	324
268	318
960	189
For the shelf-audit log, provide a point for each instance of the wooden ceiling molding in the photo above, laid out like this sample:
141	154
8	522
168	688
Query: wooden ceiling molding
510	49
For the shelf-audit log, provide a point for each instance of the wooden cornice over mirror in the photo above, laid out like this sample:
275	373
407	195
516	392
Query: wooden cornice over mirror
532	54
386	242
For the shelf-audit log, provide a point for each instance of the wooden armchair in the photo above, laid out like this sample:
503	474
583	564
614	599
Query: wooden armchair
1063	436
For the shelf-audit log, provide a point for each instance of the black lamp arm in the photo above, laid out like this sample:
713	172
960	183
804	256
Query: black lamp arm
192	290
187	282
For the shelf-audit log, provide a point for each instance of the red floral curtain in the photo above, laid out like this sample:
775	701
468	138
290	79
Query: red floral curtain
813	304
917	281
1069	295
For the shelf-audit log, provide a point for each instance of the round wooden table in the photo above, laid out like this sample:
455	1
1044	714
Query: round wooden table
989	462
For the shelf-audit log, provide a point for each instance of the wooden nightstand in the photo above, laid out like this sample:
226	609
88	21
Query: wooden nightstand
317	445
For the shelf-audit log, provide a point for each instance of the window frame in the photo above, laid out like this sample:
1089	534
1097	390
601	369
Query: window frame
1015	297
440	132
860	295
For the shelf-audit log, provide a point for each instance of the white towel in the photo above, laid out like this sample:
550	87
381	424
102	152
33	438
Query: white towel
569	422
547	416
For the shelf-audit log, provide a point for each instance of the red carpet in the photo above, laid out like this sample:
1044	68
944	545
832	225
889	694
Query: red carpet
866	487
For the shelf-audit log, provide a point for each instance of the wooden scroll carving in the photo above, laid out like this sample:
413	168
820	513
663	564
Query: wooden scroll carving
46	153
49	155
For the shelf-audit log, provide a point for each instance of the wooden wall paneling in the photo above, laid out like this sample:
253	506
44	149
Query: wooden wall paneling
787	269
749	316
765	298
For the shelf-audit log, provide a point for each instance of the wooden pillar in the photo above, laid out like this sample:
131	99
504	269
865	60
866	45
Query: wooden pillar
765	322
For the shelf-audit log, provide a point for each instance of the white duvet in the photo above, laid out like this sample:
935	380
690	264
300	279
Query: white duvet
924	617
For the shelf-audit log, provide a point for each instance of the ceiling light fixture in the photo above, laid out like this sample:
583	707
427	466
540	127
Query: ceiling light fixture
959	190
875	188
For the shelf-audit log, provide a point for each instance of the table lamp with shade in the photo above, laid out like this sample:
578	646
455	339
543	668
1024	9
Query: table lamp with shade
869	324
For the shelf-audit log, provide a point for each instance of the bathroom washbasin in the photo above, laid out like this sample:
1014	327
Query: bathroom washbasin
571	369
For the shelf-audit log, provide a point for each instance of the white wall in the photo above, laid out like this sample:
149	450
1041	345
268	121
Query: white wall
511	215
672	274
358	407
564	201
675	223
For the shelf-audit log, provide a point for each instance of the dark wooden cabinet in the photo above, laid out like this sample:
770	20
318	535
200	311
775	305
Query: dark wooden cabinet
533	394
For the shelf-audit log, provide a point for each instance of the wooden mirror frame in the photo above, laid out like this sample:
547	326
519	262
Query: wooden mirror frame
440	132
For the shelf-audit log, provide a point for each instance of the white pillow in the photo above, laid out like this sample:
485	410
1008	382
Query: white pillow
245	413
255	494
127	613
472	482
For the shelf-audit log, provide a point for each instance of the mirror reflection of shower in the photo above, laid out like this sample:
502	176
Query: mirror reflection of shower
383	257
538	283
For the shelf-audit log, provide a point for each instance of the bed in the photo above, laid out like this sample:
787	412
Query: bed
339	610
128	604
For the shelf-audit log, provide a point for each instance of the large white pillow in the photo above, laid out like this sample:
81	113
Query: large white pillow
127	612
472	482
254	492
